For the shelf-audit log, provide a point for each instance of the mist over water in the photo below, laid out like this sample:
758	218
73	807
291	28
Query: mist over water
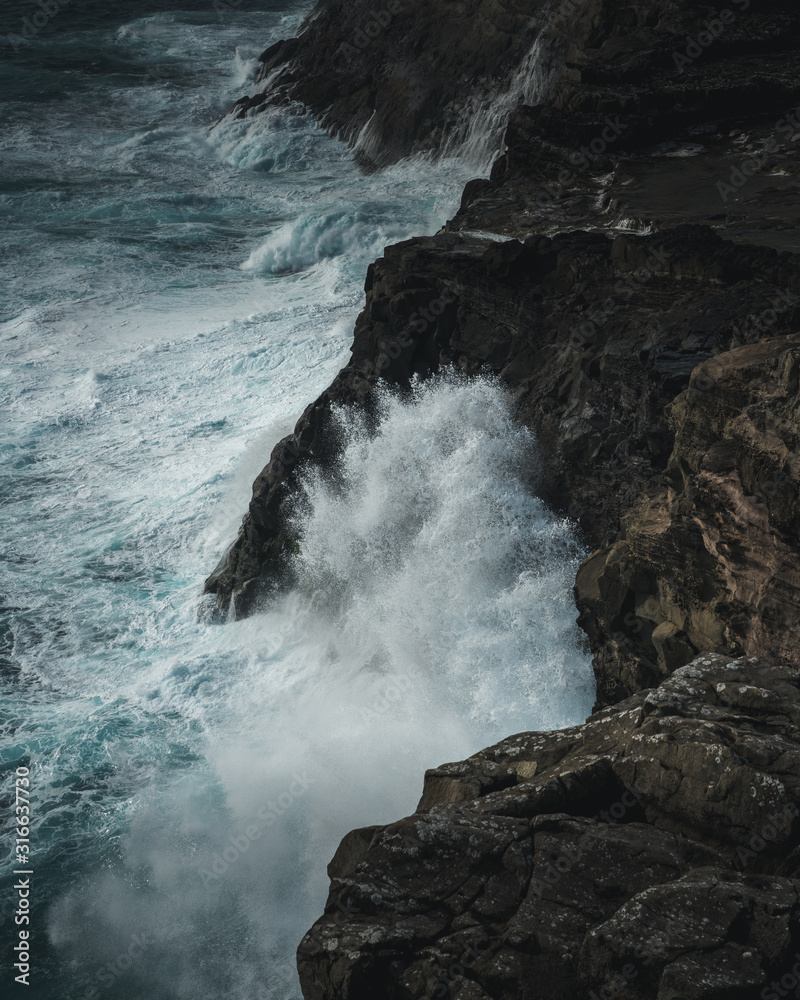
173	297
435	562
321	713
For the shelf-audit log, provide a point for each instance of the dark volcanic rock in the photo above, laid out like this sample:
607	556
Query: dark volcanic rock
651	853
256	562
708	558
397	77
596	337
597	333
637	131
402	76
630	271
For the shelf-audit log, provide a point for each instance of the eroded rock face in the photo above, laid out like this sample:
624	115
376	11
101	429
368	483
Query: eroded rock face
637	132
395	77
654	853
708	558
596	332
651	853
405	76
597	338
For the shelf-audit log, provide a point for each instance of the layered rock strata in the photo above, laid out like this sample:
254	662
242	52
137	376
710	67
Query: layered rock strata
629	270
610	347
541	278
399	77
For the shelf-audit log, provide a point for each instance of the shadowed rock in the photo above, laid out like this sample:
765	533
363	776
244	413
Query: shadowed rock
597	333
630	271
652	851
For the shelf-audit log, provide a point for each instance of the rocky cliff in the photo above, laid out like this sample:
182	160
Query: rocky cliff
630	270
397	77
652	853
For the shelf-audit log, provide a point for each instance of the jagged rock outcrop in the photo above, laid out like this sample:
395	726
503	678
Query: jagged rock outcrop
596	383
661	114
395	77
708	557
650	853
630	271
598	334
401	76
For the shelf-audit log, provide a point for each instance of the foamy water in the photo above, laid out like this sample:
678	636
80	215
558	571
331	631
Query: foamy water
174	297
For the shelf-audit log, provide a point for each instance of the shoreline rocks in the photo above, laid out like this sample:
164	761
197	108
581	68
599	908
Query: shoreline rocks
652	852
631	271
609	346
594	271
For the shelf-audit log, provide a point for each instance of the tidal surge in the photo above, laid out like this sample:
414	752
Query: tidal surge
432	615
190	291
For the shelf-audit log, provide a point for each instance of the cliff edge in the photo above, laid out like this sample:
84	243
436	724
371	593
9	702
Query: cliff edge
630	270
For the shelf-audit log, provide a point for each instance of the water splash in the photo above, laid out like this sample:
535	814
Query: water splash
433	616
441	563
478	139
191	782
475	138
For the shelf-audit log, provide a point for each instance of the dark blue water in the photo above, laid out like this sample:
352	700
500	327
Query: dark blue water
172	297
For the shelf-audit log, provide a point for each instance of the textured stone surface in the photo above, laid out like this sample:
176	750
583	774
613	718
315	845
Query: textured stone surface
652	851
394	77
598	333
708	558
630	271
596	383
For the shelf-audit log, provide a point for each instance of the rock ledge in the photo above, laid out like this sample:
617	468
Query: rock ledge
651	853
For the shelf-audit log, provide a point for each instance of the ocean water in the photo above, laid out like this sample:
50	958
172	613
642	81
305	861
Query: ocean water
173	296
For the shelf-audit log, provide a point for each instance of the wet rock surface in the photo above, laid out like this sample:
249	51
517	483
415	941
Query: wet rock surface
629	270
632	359
398	77
652	852
641	224
708	557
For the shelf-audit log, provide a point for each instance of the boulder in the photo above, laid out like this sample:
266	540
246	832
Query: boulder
650	854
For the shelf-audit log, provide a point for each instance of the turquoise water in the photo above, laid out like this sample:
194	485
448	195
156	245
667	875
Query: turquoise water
173	296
